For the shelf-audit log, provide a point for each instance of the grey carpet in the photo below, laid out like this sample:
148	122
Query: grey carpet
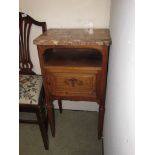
76	134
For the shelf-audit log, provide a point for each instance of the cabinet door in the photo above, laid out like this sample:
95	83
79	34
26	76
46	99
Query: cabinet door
71	84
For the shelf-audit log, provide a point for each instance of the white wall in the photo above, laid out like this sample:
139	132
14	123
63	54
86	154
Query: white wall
66	14
119	114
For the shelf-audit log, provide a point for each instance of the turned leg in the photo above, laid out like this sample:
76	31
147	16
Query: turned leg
60	105
100	120
43	130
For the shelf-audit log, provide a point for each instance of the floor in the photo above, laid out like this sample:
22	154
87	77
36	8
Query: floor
76	134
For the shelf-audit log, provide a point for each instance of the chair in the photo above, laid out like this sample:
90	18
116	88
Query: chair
31	92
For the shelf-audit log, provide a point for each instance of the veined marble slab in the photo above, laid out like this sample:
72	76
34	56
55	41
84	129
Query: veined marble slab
74	37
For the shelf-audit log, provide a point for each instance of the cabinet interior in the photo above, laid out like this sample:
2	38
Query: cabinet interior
72	57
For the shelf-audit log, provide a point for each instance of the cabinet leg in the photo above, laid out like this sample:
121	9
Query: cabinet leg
60	105
51	118
100	121
43	130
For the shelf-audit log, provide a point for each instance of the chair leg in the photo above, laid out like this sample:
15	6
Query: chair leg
43	130
60	105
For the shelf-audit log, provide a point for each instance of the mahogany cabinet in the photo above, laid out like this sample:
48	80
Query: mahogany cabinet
74	67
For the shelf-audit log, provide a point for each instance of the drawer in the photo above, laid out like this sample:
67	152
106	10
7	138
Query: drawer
71	84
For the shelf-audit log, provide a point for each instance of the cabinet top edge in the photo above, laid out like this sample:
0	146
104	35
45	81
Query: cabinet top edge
75	37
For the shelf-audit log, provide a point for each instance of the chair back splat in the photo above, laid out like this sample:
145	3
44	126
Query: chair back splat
25	23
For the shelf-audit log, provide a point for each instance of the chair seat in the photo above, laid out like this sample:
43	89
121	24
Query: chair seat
29	89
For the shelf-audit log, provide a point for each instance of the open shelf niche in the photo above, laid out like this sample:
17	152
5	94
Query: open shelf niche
72	57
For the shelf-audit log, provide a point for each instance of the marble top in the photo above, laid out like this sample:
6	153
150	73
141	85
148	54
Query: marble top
74	37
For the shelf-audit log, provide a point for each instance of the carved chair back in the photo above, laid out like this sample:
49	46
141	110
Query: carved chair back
25	23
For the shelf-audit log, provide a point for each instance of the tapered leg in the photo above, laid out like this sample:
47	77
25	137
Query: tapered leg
45	116
100	120
60	105
51	118
43	130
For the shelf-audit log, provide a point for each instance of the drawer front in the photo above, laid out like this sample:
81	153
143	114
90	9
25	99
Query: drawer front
72	84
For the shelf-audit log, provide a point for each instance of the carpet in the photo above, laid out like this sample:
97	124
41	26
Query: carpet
76	134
